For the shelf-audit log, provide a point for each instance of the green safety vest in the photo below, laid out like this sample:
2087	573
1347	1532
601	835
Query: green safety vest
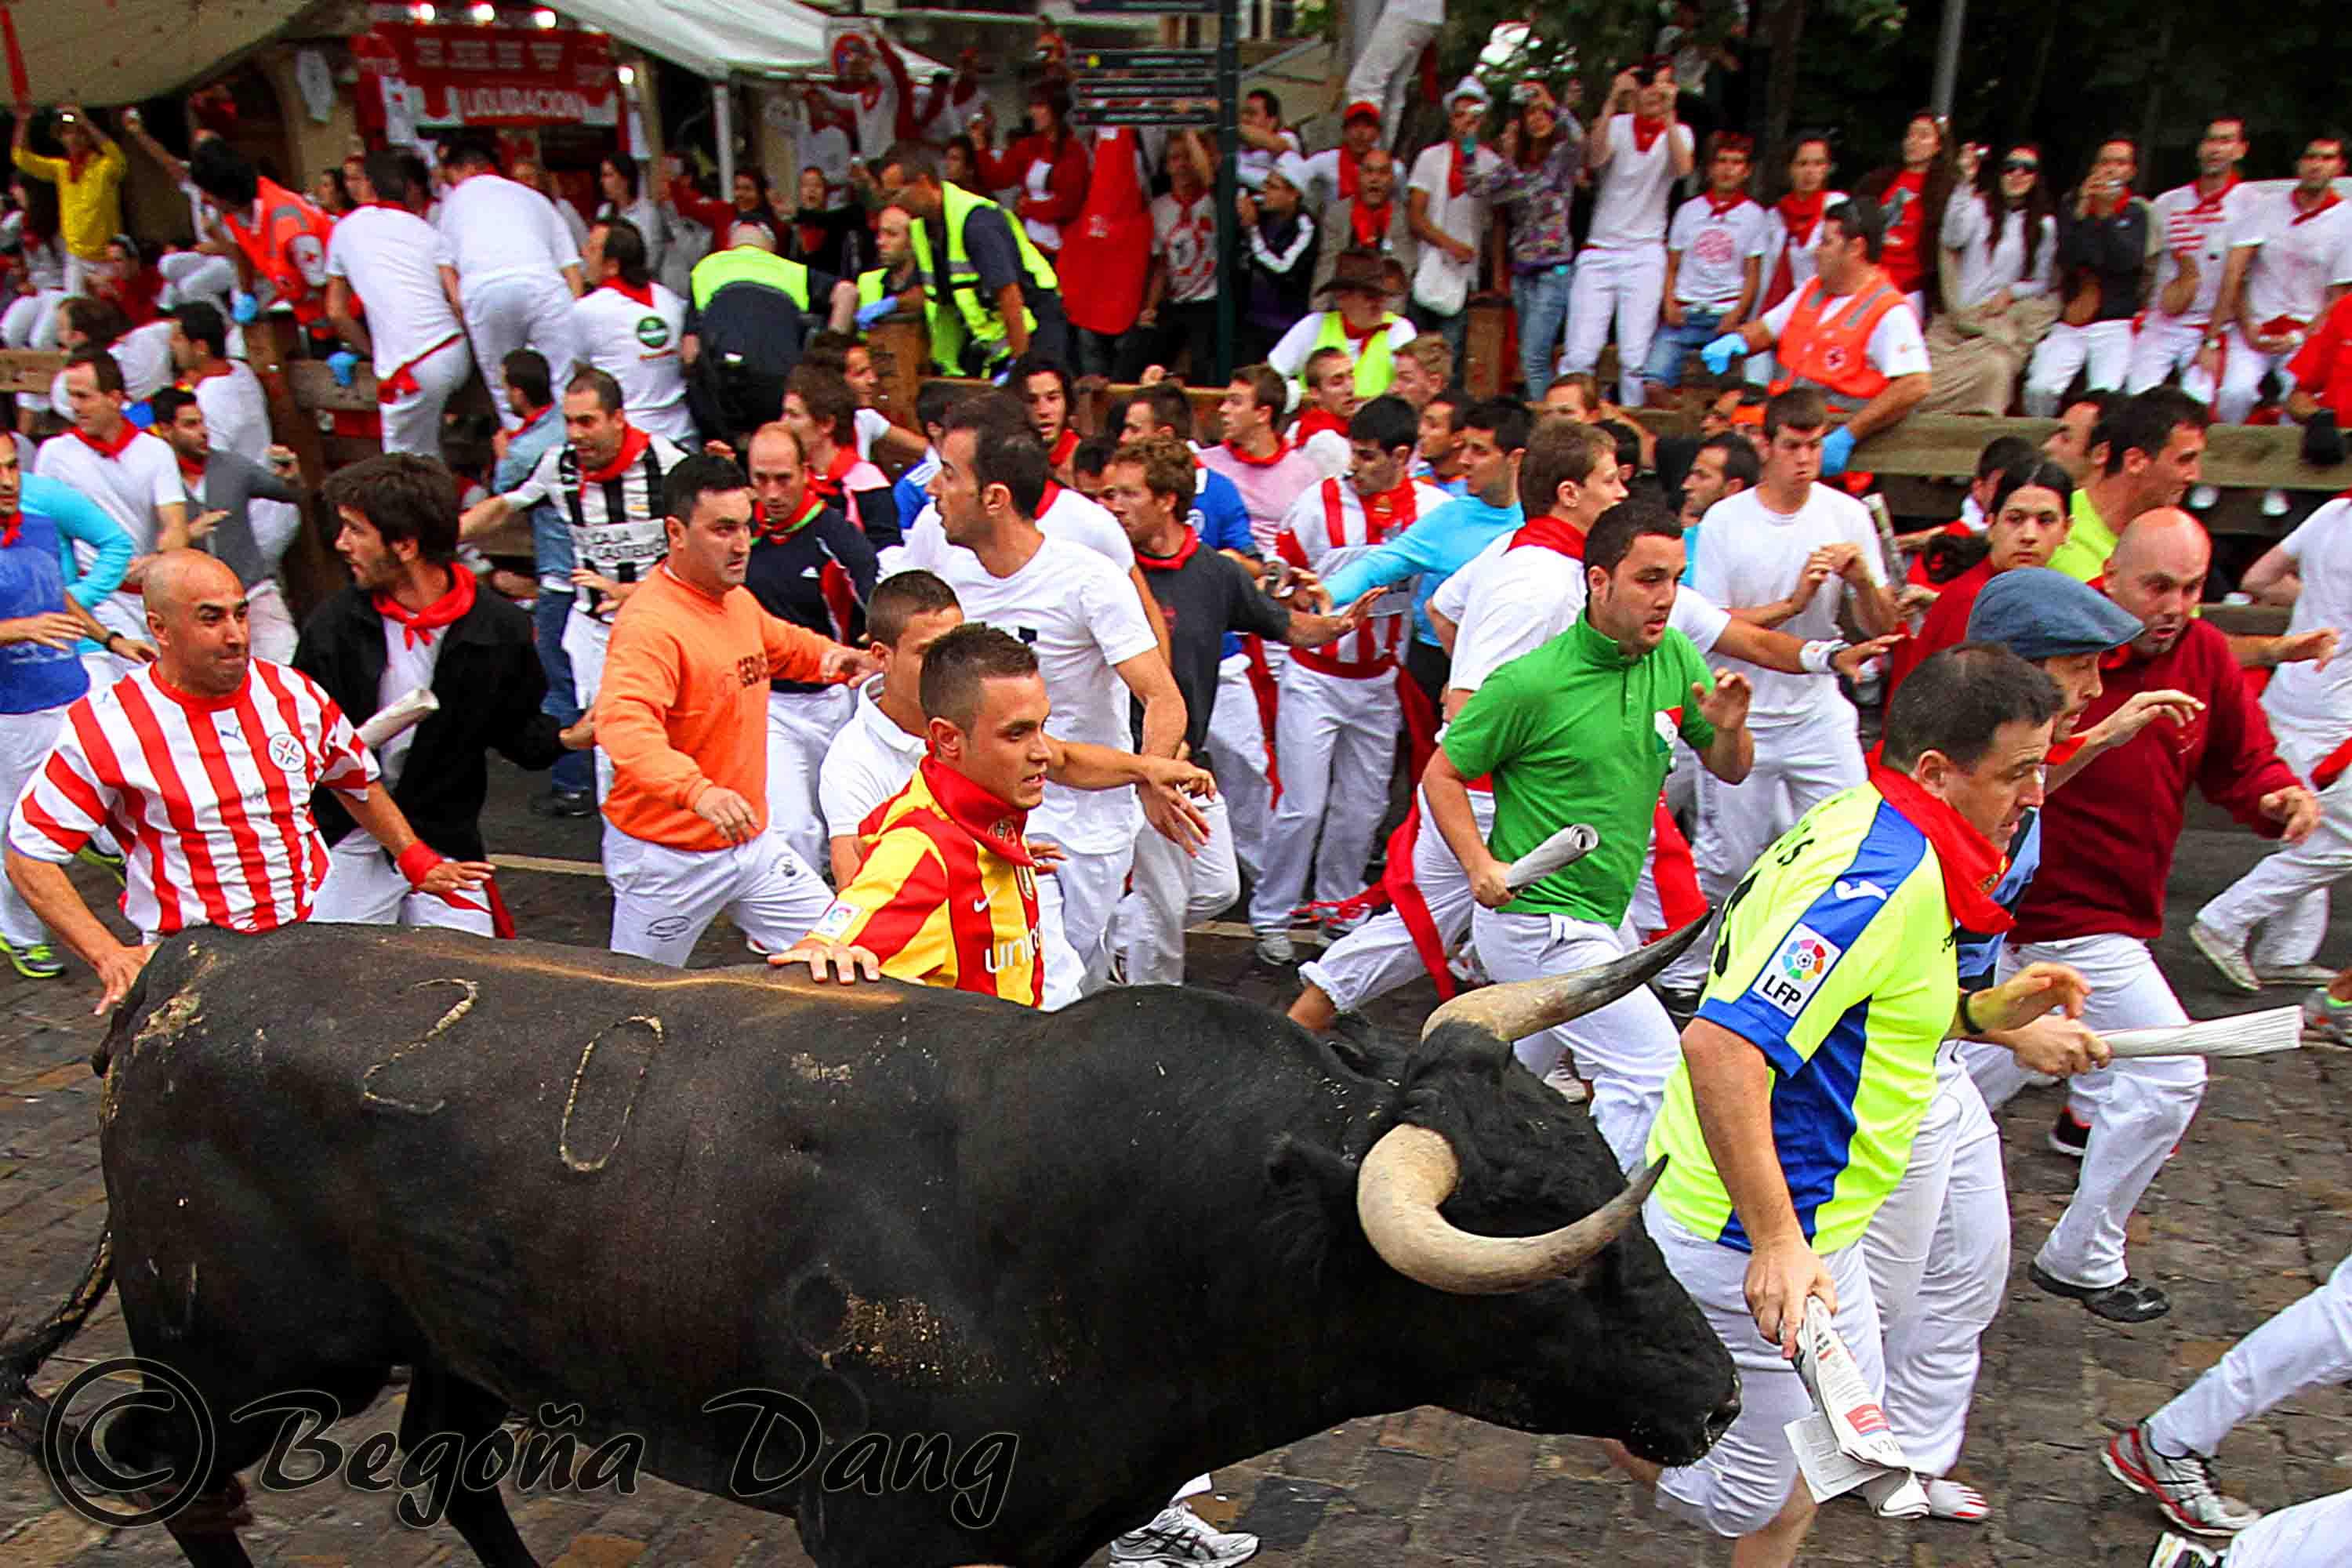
979	314
747	264
1377	365
946	326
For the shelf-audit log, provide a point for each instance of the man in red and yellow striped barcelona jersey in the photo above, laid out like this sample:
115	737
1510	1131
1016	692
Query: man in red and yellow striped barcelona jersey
948	895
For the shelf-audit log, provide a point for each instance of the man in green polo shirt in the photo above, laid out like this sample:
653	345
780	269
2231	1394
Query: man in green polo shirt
1804	1078
1580	731
2156	446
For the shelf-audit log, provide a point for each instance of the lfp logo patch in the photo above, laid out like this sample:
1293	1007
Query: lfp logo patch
1793	974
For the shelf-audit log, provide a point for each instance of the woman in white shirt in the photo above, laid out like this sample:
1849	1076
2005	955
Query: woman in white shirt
1997	246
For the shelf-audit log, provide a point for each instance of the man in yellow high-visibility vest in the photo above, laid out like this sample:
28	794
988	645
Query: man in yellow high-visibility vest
976	262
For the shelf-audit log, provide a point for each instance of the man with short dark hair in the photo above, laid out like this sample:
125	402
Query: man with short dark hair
282	235
1848	333
629	326
1789	1116
1437	459
411	620
2182	327
129	473
976	263
1723	467
1635	153
405	271
236	409
2103	271
1575	732
229	491
2155	446
1043	384
683	714
518	270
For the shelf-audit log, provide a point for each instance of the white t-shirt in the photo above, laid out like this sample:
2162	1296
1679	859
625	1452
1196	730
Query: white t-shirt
2302	694
1990	262
2300	254
871	423
1185	238
497	228
1755	555
128	488
1465	216
1079	615
237	412
1777	239
1069	516
1631	210
406	667
2209	229
636	345
1896	347
1715	249
143	354
869	761
393	260
1511	607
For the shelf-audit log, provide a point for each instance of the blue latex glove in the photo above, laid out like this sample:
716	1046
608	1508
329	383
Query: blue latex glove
1836	448
1717	355
342	362
243	307
869	314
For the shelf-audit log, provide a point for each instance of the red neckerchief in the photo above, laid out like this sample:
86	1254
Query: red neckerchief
1390	511
1046	501
827	486
10	529
192	474
1360	338
1281	450
761	527
1317	420
2063	752
1647	131
1971	865
1170	562
986	819
2213	202
1550	533
1801	215
1370	230
811	237
75	163
2328	198
1065	446
643	293
1457	170
2123	197
1718	205
418	625
124	437
1348	163
634	442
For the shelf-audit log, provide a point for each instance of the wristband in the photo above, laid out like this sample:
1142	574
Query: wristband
1815	656
417	862
1968	1024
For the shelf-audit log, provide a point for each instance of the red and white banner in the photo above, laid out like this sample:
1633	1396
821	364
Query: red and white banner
493	76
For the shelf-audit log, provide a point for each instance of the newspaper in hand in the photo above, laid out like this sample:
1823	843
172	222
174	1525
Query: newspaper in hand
1846	1442
2243	1034
397	715
1570	845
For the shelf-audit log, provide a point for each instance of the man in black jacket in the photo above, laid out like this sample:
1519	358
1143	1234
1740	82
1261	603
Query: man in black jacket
414	619
2103	276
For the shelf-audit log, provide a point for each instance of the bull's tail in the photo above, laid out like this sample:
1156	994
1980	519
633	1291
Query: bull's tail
23	1412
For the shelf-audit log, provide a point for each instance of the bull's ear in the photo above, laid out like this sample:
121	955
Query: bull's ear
1311	1173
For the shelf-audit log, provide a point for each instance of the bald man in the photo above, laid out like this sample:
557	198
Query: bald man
2107	841
209	756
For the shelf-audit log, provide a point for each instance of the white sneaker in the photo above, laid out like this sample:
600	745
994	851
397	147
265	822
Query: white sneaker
2273	503
2202	498
1274	947
1949	1499
1179	1538
2182	1488
2227	956
2293	973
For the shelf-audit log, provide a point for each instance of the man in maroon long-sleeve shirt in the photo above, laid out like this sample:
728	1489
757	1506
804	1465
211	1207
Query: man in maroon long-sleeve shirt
2098	900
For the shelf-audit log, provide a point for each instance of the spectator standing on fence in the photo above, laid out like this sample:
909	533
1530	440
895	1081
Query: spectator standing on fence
1265	137
2196	224
1279	247
1542	153
1912	197
1373	219
1715	262
1638	151
2106	240
1180	295
89	182
621	180
1450	218
518	270
2001	237
2289	260
1335	174
405	271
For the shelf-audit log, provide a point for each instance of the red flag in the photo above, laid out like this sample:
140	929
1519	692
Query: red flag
20	86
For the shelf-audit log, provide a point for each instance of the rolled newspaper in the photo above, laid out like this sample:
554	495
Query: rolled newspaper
2245	1035
1845	1442
1567	847
397	715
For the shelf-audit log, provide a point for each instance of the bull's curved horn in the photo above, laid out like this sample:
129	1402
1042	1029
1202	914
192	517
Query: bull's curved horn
1518	1008
1411	1171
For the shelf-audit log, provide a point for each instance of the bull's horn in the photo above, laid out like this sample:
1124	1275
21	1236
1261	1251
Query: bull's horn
1518	1008
1411	1171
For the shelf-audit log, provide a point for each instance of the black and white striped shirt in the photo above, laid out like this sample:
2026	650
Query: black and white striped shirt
616	522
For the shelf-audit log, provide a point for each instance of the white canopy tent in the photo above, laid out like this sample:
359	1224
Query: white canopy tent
112	54
713	39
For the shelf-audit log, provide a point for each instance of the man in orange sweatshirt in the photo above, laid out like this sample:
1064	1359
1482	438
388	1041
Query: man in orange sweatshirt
683	714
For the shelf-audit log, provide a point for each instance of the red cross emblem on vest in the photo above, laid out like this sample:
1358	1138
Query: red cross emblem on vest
1834	359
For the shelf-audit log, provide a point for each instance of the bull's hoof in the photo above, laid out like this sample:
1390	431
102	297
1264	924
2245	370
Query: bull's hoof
220	1512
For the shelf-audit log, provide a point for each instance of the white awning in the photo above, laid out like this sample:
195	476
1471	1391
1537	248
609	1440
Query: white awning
101	54
713	39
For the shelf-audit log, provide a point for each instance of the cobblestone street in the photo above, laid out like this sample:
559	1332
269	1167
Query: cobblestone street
2253	1212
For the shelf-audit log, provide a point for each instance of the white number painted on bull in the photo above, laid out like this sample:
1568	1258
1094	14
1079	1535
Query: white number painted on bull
1793	974
572	1159
464	1005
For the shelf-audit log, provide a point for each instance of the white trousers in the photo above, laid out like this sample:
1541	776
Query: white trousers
2309	1535
1379	955
1938	1251
26	742
2162	345
411	422
31	322
1173	890
1744	1482
800	725
2137	1109
1075	907
1626	1049
2307	1345
585	638
1624	285
2105	346
1797	765
519	311
1384	70
365	888
1238	746
2282	904
1335	740
664	898
2242	369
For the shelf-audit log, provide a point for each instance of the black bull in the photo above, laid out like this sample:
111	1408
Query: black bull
1127	1234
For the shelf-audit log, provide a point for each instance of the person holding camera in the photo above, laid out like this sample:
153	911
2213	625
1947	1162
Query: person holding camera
88	179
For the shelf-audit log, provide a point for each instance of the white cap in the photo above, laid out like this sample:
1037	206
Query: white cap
1469	87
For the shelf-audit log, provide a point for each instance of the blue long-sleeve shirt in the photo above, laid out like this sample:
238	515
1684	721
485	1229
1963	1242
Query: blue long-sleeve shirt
37	572
551	536
1437	546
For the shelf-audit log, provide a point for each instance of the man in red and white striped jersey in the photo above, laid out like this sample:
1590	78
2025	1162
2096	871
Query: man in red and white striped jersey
201	765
